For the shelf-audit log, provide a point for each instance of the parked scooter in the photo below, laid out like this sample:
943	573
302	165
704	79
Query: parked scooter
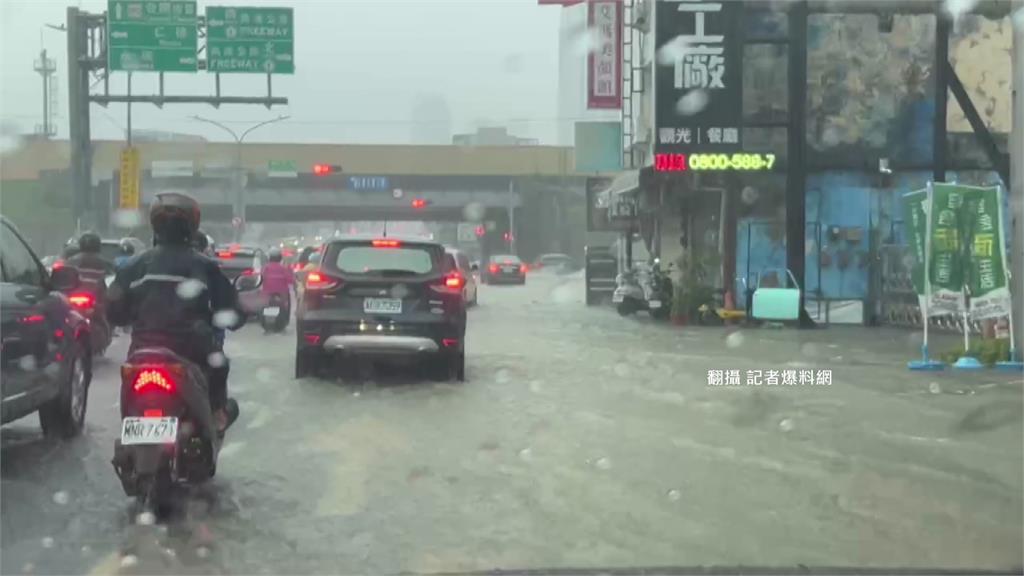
274	316
644	289
168	435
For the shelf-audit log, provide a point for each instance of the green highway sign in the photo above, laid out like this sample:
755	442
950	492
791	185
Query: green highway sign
152	35
250	40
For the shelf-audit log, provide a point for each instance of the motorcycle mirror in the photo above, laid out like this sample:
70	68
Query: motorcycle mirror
64	278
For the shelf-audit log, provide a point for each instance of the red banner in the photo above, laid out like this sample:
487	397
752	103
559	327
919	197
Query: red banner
604	61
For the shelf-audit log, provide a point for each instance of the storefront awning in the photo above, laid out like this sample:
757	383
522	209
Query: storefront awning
625	184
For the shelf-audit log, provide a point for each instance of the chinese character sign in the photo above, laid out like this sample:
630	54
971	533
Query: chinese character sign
604	63
986	276
946	263
699	49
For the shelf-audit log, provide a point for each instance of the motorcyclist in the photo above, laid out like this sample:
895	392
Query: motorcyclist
201	244
149	294
93	269
126	253
277	279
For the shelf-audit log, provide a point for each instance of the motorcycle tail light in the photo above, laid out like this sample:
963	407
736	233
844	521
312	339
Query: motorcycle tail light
82	300
152	378
153	413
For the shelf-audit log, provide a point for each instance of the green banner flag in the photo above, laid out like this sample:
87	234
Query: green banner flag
986	277
947	258
917	230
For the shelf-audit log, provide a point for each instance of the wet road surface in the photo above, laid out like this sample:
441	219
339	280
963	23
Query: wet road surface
580	439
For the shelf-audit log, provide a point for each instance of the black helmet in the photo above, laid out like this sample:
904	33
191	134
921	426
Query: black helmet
174	218
89	242
275	255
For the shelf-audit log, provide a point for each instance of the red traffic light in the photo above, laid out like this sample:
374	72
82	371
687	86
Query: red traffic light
480	231
325	169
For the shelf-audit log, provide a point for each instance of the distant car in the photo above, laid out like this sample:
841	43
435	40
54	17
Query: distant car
460	261
382	299
109	250
47	366
505	269
236	261
560	263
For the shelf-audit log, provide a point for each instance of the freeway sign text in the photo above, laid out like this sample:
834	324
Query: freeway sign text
254	40
152	35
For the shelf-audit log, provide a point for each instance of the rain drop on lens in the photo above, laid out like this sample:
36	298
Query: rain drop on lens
734	339
225	318
786	425
674	495
129	561
202	552
146	519
935	388
603	463
189	289
27	363
47	542
692	103
61	497
474	212
216	359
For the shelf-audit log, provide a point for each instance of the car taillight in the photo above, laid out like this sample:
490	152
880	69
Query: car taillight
454	281
82	300
522	268
296	267
153	379
317	280
493	268
58	264
225	254
248	272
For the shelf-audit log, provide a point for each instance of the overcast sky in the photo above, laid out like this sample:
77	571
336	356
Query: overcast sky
361	68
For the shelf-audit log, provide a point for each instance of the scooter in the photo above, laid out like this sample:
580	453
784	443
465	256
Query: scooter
274	316
101	333
640	289
658	292
168	434
629	295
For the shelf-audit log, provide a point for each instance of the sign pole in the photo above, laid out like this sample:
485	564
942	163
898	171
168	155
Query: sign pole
925	363
1014	364
966	361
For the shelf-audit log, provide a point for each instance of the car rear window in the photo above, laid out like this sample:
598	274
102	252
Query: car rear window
110	251
402	259
505	259
237	259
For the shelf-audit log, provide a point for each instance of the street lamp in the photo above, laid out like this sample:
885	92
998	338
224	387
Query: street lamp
239	201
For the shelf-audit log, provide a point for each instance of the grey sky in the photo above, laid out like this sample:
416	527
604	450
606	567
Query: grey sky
360	67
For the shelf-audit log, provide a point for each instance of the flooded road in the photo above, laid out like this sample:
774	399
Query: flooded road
580	439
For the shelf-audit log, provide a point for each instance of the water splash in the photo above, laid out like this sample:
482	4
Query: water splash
935	388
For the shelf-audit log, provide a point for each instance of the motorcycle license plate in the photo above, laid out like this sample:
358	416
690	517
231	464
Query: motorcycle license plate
271	312
136	430
382	305
654	304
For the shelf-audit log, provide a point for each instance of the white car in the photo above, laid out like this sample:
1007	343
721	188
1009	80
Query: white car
460	261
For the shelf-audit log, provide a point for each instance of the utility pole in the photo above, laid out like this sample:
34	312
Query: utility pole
238	202
78	116
46	67
1017	172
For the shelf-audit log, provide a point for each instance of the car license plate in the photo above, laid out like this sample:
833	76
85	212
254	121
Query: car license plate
654	304
382	305
149	430
271	311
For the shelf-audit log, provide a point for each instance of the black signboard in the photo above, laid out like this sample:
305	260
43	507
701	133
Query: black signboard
606	213
698	76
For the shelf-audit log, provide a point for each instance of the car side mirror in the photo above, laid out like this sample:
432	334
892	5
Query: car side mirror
65	278
248	282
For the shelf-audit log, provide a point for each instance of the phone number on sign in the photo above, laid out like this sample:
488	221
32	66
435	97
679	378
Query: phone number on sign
738	161
786	377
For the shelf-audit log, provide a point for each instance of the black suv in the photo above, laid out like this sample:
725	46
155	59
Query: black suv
45	351
382	298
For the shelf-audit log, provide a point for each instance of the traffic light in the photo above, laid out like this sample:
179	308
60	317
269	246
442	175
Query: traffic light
420	203
325	169
480	231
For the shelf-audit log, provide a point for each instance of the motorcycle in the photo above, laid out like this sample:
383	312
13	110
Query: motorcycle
101	333
168	434
274	316
647	289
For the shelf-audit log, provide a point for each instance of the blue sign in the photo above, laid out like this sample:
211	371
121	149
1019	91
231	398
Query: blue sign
368	183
